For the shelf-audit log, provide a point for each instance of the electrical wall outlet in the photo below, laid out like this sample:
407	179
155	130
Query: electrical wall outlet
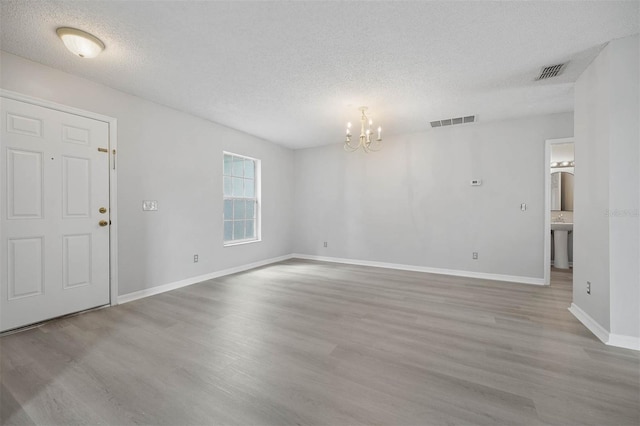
150	205
588	287
325	244
195	258
475	255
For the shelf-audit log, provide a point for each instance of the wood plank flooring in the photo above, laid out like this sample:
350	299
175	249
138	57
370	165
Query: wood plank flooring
312	343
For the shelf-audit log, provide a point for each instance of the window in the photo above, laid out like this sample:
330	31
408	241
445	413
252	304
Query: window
241	176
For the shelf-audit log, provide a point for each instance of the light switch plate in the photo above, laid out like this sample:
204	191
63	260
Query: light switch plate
150	205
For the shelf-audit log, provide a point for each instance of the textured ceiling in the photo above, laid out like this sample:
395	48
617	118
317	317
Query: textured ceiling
295	72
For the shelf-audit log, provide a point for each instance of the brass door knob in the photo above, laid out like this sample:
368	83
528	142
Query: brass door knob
102	209
103	223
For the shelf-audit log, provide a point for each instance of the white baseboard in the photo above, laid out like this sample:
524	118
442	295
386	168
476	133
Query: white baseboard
592	325
129	297
454	272
622	341
618	340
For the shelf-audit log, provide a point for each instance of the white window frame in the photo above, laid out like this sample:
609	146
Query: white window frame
258	192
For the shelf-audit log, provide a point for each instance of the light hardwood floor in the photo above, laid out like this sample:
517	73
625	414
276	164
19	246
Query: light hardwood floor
314	343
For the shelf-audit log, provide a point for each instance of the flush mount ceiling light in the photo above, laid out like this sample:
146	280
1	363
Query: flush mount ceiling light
365	140
80	43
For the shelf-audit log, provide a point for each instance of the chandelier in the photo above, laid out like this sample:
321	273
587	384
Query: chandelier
365	140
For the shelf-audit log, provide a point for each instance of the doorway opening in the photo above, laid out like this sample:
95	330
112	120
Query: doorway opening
559	169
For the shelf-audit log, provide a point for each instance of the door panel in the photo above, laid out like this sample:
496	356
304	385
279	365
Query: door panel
24	125
76	187
77	135
76	258
54	255
24	184
25	267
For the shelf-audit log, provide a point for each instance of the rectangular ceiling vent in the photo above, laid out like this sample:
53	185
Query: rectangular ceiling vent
452	121
551	71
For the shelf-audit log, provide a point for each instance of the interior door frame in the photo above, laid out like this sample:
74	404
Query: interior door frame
113	173
547	204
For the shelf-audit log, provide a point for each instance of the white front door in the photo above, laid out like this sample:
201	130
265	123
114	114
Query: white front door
54	227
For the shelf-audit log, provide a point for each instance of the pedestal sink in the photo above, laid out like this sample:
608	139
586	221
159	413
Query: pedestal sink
560	237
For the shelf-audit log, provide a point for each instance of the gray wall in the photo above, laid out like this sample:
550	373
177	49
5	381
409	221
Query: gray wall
606	220
175	158
412	202
624	183
591	202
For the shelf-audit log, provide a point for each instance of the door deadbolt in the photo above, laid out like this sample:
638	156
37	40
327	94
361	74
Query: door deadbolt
102	209
103	223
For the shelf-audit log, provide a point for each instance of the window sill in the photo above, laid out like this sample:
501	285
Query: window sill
242	242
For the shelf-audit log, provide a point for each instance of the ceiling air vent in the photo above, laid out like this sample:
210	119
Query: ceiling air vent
452	121
551	71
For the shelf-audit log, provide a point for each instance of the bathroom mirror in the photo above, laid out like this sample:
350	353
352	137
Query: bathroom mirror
562	191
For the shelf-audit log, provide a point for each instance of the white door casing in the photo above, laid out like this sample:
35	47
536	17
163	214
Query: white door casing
54	255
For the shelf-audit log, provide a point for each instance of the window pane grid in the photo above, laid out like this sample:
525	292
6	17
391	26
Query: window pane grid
240	202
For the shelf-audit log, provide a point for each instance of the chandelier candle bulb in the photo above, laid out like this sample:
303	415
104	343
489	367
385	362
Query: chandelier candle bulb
379	133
